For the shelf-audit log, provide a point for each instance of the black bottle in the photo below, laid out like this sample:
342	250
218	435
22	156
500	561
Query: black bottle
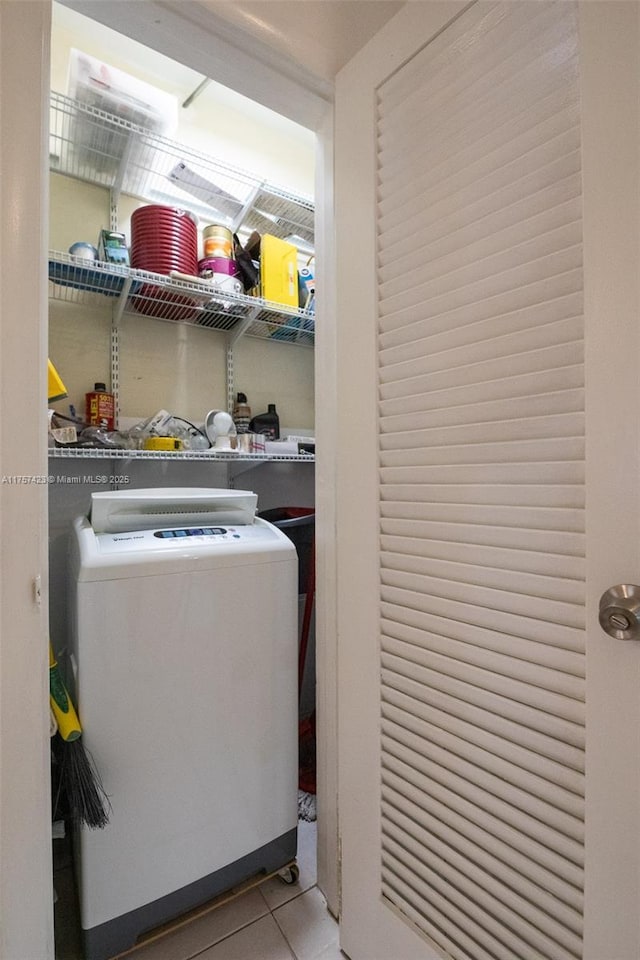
268	424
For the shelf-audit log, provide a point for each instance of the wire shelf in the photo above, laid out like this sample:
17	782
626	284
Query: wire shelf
198	302
117	153
104	453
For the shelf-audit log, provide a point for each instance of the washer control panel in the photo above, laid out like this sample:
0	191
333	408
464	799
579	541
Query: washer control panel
190	538
194	532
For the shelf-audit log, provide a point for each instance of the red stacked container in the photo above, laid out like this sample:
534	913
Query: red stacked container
164	239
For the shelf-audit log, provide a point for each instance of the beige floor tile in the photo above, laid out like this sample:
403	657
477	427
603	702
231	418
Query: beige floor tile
197	935
260	941
332	952
275	891
308	926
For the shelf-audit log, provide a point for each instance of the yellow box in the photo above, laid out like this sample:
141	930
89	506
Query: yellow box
163	443
278	270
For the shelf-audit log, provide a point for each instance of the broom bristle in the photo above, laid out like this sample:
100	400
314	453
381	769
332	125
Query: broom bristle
86	795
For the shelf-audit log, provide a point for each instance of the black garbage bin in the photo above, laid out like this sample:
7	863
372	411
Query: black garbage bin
298	523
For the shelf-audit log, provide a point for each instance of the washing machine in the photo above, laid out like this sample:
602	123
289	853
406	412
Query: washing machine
184	643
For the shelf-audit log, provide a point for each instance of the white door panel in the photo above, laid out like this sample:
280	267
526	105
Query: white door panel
484	260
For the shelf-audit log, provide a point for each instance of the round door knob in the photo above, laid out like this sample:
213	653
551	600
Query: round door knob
619	613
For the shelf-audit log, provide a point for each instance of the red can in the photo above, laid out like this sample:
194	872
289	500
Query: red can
100	407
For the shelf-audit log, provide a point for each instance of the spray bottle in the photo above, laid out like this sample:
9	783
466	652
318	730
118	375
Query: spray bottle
241	414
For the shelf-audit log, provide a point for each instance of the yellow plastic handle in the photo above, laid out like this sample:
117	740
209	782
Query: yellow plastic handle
63	710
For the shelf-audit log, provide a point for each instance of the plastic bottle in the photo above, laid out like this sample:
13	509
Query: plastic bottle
268	424
242	414
100	407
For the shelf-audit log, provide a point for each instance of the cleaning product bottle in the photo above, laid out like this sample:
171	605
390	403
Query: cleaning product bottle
100	406
242	414
267	423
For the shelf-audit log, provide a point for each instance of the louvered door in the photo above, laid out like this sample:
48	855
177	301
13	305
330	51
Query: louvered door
463	630
482	485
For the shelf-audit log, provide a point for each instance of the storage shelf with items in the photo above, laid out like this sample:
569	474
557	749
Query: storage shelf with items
107	150
87	282
115	152
112	453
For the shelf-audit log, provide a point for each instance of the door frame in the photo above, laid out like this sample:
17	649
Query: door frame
26	903
610	91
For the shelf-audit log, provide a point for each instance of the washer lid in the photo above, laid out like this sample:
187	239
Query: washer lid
118	511
178	550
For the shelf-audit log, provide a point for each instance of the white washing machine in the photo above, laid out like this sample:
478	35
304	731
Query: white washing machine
185	640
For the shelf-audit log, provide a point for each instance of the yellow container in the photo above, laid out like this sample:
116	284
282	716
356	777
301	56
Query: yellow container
278	270
163	443
56	389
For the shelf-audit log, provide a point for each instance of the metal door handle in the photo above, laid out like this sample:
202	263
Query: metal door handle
619	614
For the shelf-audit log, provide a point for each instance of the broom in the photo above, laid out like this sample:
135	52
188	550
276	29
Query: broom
88	801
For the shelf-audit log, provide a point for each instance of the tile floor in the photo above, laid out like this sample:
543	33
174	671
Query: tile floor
273	921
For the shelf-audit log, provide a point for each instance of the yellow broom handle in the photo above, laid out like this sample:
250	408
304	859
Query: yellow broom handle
63	709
